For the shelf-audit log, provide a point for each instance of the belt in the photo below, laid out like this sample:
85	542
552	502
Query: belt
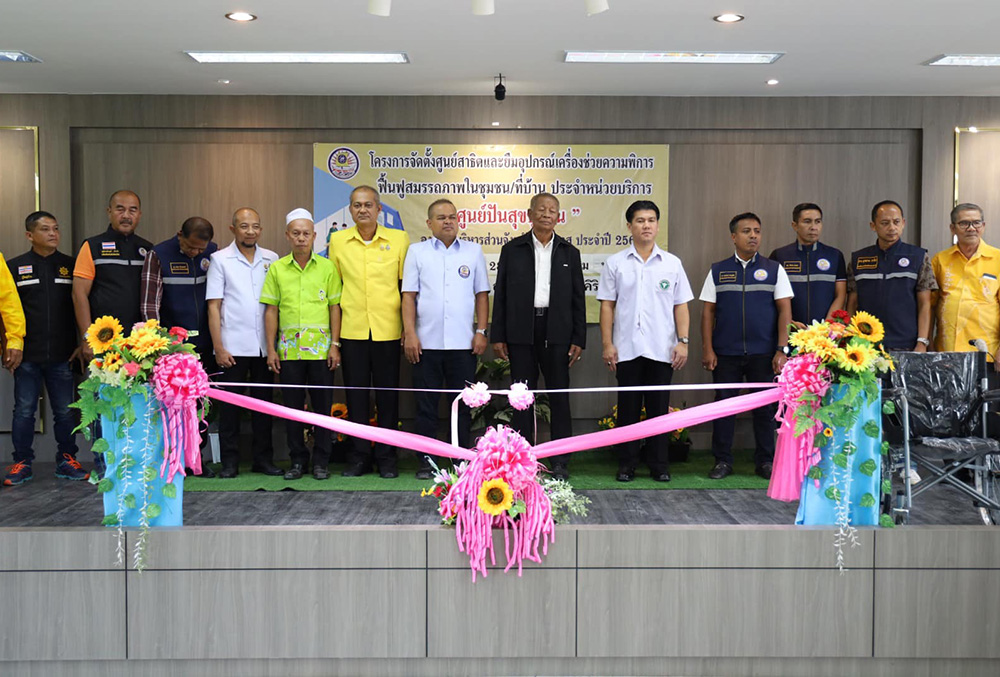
541	312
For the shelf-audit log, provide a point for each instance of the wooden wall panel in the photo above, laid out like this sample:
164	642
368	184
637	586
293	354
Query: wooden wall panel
979	177
17	188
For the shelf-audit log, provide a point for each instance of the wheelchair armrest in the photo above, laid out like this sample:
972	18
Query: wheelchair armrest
991	396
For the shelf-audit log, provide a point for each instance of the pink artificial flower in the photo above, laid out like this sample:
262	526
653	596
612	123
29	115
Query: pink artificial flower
520	397
476	395
131	368
179	332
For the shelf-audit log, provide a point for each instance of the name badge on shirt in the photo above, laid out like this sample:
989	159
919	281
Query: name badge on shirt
727	276
792	266
867	262
179	268
987	276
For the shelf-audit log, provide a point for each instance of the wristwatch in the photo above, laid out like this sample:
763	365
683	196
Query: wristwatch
785	349
481	331
926	342
336	343
683	339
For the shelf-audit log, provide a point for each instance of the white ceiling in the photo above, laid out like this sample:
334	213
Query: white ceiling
832	47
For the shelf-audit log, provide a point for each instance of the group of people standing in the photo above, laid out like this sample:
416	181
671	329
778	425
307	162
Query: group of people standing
254	316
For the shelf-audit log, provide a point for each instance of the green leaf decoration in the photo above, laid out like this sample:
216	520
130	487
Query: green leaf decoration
109	457
886	522
149	473
128	461
153	511
802	424
516	509
808	397
840	460
867	501
120	472
100	446
872	429
820	441
850	448
815	473
803	410
105	485
833	493
886	486
129	501
868	467
885	448
170	490
888	407
92	478
110	521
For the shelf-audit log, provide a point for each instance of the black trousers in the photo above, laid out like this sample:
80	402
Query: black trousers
246	370
526	360
443	369
643	371
734	369
372	363
314	373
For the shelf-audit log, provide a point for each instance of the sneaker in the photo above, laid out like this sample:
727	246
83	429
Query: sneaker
914	477
19	473
68	468
100	467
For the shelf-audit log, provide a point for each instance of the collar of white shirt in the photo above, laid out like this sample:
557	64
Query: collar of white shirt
235	253
657	252
539	245
748	261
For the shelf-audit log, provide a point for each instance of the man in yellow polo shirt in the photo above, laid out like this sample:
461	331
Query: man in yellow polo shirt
968	273
369	258
301	325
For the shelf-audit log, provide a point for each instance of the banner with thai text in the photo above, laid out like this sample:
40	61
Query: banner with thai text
492	186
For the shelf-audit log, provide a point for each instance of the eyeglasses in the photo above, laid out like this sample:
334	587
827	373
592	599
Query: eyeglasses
970	225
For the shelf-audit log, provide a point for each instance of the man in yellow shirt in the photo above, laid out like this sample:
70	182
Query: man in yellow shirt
968	304
369	258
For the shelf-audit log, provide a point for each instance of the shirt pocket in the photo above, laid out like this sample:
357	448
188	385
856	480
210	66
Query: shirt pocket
989	286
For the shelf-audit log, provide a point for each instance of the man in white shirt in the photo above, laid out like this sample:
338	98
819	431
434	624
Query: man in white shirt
236	323
644	295
445	287
744	329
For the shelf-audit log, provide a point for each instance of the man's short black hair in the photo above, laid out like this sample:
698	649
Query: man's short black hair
804	207
741	217
884	203
198	228
31	222
640	205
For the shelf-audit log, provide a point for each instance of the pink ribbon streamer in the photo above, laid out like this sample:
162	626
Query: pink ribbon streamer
179	381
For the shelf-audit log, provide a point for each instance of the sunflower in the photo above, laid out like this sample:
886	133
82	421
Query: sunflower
827	432
803	337
102	333
495	497
823	346
112	362
338	410
857	358
867	326
147	344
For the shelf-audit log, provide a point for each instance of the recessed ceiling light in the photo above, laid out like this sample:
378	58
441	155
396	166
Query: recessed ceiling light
242	17
19	57
299	57
966	60
673	57
495	123
224	82
728	18
772	82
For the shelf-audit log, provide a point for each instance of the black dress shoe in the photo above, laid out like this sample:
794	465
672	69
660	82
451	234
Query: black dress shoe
267	469
625	475
764	470
560	471
424	473
321	472
356	470
206	471
295	472
721	469
388	473
229	472
661	476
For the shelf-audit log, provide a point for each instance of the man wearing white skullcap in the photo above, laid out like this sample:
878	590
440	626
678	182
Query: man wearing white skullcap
301	325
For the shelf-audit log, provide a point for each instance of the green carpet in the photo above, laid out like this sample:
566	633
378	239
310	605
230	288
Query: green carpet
588	470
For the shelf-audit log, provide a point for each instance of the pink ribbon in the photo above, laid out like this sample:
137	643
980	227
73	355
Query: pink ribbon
179	382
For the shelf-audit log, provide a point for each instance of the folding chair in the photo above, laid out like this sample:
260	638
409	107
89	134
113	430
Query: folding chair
941	422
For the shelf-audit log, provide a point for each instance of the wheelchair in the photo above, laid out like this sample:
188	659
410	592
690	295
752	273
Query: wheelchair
943	421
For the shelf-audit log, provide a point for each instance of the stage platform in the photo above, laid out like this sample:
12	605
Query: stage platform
366	583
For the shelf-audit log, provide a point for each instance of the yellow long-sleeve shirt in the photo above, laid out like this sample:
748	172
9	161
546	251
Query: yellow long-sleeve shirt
10	308
968	303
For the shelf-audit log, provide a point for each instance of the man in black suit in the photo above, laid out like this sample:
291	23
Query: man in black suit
539	316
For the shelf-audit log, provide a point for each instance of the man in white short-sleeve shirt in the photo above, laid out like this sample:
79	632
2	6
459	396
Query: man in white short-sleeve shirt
236	323
644	295
445	289
744	328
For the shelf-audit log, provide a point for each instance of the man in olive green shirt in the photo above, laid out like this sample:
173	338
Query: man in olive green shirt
302	295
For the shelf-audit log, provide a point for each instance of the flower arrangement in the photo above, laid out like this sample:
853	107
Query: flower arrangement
153	363
487	411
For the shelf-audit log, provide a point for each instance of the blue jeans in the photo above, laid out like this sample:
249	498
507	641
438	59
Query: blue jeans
59	384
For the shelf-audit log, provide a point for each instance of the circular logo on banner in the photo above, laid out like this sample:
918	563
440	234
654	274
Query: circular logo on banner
204	264
343	163
823	264
142	251
904	262
664	285
464	271
760	274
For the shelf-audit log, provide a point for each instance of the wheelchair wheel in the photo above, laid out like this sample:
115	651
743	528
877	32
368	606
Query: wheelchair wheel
987	480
